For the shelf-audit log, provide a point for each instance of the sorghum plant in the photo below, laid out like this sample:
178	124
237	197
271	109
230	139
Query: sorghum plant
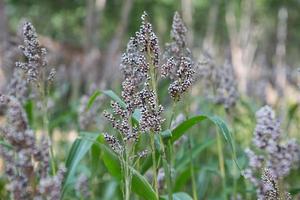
36	69
36	63
180	69
279	158
27	161
139	65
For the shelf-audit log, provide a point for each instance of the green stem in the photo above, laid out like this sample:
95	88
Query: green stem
194	186
166	169
44	99
155	182
221	163
165	165
127	177
282	194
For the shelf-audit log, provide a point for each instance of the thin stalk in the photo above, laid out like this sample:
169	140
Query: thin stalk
282	194
155	182
235	169
194	186
221	163
170	145
166	169
127	176
44	99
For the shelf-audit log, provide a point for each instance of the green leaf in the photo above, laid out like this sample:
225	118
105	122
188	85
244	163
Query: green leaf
92	99
114	97
29	109
108	93
186	125
78	150
292	110
189	123
178	196
136	116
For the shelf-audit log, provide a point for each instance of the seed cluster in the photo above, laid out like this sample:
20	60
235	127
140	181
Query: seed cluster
279	158
139	64
270	189
179	66
151	118
36	62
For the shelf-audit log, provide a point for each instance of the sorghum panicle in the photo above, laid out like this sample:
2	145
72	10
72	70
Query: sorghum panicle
27	163
179	66
142	53
279	158
269	189
36	62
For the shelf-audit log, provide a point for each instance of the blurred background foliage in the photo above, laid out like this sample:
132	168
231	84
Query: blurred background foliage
86	38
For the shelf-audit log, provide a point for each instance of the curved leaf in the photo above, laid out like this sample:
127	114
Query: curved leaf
92	99
78	150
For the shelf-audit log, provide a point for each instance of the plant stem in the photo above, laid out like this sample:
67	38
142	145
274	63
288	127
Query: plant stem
155	182
221	163
166	169
44	99
165	162
194	187
127	176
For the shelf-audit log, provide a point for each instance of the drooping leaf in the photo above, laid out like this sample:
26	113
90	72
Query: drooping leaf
79	149
189	123
92	99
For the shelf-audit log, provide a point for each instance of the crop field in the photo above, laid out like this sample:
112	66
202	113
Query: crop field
149	100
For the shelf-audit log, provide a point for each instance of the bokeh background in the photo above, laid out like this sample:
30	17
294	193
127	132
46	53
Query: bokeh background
85	40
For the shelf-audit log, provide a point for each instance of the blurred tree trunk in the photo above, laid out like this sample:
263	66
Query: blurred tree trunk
280	60
208	42
243	44
280	56
187	15
3	42
112	57
91	60
92	23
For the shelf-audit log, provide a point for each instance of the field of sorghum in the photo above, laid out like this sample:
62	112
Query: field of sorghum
174	126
